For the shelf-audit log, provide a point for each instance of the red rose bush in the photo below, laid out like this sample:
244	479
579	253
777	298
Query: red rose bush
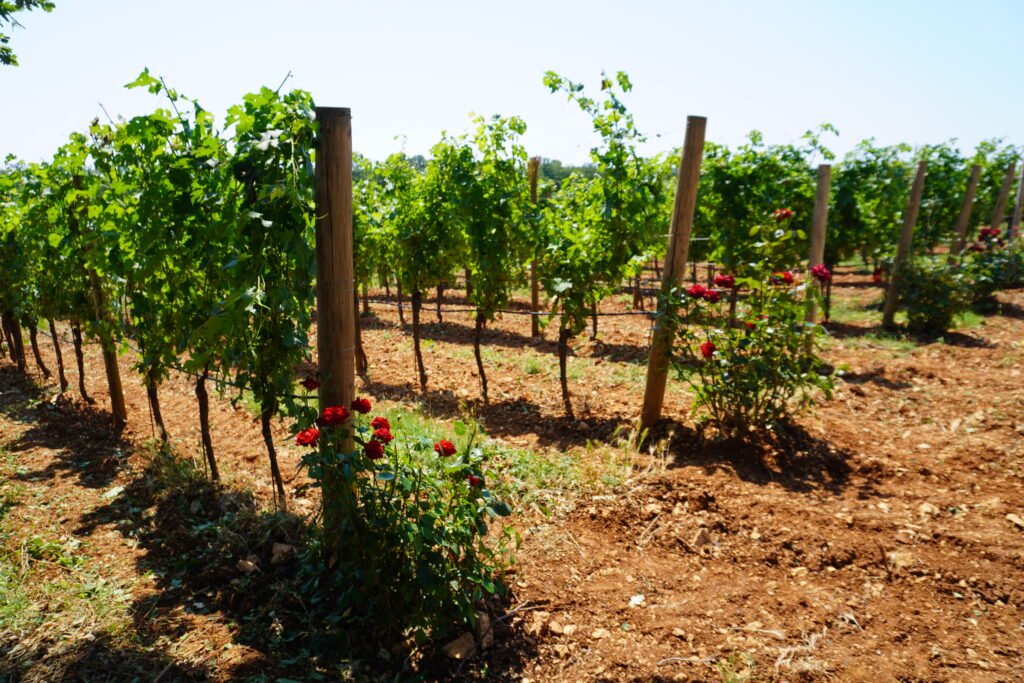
414	516
749	357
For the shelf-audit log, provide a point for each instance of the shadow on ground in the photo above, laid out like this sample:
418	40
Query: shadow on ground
788	456
508	417
234	591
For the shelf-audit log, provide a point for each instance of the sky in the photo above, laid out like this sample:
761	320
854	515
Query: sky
896	70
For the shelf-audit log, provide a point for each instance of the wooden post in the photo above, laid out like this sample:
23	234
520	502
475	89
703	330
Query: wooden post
335	277
819	222
532	171
892	296
1004	194
336	303
964	219
1018	208
675	267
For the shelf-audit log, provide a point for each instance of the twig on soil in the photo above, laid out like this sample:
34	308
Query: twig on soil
886	563
644	533
687	660
163	673
572	539
524	607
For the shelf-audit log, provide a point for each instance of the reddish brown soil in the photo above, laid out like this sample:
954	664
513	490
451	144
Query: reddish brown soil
871	542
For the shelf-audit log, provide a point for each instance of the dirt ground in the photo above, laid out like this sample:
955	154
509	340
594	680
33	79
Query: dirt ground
880	539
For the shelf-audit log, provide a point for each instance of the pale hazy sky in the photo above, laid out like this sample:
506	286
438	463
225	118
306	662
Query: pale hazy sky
899	70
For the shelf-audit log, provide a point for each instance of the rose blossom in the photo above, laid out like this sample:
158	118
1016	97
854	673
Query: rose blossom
333	415
444	447
307	437
726	281
374	450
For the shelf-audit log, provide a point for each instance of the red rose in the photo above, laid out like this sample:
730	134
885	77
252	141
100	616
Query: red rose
782	214
310	384
333	415
307	437
444	447
383	435
712	297
374	450
707	349
726	281
821	273
380	422
697	290
361	405
475	481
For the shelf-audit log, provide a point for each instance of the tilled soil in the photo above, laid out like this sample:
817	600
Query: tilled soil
881	538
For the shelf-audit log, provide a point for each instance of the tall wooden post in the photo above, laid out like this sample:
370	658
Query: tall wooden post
335	301
104	323
1018	208
964	219
335	277
892	296
1004	195
675	267
532	171
819	222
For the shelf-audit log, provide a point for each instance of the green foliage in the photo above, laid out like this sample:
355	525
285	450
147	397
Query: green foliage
493	206
414	558
994	156
274	251
992	265
739	187
943	193
934	293
869	195
599	228
8	8
746	370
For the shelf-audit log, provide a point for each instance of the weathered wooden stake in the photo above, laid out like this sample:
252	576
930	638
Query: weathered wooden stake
1004	195
335	290
335	300
819	222
1018	208
675	267
963	220
533	169
892	296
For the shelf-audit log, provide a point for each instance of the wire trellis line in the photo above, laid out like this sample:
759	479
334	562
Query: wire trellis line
408	306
